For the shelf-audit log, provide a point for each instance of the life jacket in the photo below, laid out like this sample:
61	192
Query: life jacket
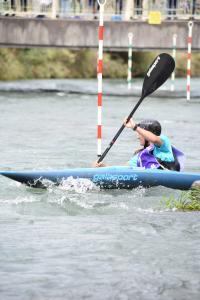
147	160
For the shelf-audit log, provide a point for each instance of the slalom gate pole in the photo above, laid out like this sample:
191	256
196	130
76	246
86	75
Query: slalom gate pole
174	57
130	50
99	75
190	25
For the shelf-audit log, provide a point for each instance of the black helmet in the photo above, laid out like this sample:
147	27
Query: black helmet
151	125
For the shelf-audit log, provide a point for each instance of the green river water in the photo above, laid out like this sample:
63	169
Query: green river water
79	242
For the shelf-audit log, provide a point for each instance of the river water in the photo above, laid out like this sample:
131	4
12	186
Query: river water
79	242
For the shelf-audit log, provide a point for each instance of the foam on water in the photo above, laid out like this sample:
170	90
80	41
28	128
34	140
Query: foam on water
79	196
20	200
81	185
73	195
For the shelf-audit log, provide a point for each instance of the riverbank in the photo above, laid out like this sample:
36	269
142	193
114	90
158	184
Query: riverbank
45	63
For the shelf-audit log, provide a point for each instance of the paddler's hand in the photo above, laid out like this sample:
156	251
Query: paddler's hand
131	124
98	165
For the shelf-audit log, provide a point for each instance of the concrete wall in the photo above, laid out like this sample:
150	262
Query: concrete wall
75	34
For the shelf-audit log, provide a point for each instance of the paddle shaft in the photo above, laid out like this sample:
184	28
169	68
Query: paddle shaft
120	131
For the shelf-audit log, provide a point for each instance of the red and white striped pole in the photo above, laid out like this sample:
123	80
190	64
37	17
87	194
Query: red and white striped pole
174	57
190	25
99	75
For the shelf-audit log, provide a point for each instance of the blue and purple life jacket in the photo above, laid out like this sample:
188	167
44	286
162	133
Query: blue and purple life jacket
147	160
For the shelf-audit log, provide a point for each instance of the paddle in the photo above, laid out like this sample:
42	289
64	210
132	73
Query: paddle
158	72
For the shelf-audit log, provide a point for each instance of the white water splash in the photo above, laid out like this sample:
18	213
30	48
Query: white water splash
72	191
20	199
139	192
48	184
80	185
61	94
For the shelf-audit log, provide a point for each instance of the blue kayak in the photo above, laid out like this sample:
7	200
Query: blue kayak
117	177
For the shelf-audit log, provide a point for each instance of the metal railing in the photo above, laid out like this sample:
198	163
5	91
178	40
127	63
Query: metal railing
115	9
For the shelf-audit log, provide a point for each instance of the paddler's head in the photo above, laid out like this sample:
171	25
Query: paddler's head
150	125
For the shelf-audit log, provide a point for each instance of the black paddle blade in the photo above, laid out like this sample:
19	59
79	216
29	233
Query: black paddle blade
158	72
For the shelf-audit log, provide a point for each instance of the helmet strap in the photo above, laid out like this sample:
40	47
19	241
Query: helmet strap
146	144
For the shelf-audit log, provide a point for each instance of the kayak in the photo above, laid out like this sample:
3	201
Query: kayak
116	177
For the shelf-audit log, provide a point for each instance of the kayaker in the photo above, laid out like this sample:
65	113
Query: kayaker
157	151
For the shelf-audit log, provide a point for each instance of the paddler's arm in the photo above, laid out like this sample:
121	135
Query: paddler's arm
147	135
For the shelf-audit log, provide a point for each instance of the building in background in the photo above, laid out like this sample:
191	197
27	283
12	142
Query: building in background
128	9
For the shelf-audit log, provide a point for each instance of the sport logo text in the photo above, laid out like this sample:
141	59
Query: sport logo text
153	66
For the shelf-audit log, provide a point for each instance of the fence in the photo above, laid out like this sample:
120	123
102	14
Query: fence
115	9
